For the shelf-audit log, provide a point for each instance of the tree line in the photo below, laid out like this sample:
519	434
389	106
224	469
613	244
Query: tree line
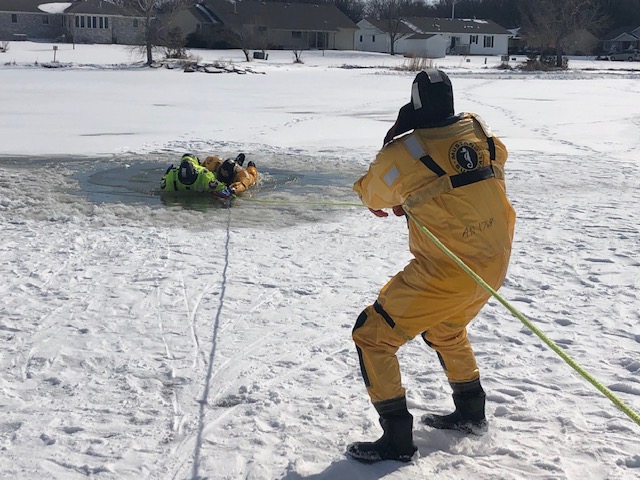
506	13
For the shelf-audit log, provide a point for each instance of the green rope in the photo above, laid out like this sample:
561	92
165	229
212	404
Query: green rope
608	393
550	343
300	202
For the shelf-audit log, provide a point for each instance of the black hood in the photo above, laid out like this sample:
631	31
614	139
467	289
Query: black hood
431	102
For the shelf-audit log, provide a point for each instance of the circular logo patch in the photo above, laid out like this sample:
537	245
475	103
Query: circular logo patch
465	157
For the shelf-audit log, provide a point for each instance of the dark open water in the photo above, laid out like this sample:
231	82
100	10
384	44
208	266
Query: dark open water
310	183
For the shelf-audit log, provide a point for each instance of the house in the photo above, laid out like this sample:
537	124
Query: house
79	21
371	37
621	39
270	24
434	37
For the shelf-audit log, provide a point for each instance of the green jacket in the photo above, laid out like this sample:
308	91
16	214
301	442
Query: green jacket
190	176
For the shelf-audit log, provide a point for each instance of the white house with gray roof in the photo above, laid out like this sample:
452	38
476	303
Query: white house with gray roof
434	37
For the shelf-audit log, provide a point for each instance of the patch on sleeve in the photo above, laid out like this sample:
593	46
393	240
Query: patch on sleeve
391	176
414	147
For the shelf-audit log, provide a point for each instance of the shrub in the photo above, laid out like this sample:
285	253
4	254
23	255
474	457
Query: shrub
543	63
415	64
178	53
174	44
504	66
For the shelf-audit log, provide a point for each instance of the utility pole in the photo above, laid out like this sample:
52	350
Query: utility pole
453	9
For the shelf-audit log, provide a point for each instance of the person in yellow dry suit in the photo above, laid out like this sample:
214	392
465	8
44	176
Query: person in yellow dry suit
232	173
448	173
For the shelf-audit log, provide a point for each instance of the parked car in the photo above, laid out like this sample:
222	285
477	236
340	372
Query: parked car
630	55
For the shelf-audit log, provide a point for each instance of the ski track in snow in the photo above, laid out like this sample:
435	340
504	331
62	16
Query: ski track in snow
181	347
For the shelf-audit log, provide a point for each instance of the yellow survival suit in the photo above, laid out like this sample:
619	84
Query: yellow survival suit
232	173
448	172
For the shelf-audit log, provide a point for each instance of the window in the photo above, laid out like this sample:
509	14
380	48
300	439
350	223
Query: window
360	38
82	22
296	34
45	20
106	22
77	22
94	21
488	41
135	23
373	38
473	39
14	18
101	22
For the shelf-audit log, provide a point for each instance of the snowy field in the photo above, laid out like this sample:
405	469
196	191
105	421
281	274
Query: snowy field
154	338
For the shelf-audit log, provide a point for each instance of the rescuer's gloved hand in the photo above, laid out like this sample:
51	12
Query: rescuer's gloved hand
226	193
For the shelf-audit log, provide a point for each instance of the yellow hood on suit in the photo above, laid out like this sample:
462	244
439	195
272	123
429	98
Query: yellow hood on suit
212	163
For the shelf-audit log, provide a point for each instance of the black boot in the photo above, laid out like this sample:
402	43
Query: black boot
396	442
468	417
240	159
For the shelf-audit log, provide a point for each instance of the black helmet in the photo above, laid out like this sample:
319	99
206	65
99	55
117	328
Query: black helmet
227	170
228	165
431	102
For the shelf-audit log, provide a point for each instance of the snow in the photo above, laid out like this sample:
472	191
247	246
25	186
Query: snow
55	7
153	338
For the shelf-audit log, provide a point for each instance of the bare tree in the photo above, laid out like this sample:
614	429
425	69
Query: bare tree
174	44
156	20
354	9
297	55
549	22
623	12
391	12
249	37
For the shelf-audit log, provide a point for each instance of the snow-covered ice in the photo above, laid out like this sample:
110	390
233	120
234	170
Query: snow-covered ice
146	338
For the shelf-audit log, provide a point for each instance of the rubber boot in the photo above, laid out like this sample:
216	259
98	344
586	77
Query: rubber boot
396	442
468	417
